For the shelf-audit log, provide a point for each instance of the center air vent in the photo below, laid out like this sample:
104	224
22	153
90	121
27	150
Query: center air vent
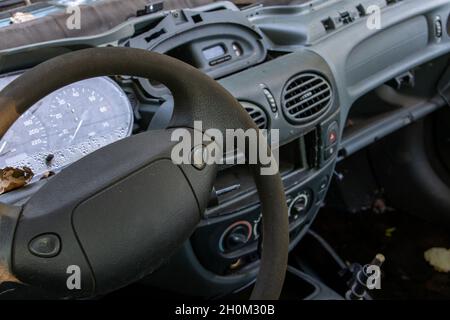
256	113
305	97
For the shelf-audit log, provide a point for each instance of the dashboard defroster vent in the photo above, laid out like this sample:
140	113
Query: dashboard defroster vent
305	97
256	113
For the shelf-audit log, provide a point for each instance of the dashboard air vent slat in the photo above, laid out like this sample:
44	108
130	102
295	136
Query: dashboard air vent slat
297	83
306	96
317	86
256	113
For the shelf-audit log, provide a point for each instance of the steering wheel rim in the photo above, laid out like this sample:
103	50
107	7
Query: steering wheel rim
194	95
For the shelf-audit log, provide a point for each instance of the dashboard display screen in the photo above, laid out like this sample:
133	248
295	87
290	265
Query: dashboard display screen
213	52
66	125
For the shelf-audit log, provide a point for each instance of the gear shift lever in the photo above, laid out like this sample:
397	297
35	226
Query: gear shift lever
360	283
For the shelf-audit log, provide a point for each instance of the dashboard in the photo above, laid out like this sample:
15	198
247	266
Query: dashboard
295	68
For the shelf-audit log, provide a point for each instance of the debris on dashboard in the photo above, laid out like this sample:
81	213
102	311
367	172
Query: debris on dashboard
20	17
49	158
47	175
438	258
14	178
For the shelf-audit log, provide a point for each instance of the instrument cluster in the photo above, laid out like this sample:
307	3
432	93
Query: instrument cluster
66	125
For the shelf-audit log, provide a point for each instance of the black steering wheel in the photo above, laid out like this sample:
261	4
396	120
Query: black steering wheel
117	214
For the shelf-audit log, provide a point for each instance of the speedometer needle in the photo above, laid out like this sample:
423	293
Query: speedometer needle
76	130
83	116
3	148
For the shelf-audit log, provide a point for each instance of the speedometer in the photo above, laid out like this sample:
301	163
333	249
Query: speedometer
28	136
67	125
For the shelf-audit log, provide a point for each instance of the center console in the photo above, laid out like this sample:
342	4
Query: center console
223	254
228	240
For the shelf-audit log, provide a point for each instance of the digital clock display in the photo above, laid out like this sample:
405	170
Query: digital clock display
213	52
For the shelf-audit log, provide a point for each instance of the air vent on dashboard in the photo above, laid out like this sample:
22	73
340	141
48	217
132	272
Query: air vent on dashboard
306	96
256	113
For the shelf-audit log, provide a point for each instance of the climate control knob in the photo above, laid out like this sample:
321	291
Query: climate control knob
299	207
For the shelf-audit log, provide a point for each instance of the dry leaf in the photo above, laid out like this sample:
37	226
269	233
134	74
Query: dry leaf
439	258
5	276
389	232
14	178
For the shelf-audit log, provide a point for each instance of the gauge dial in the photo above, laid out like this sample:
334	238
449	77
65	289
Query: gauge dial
27	137
67	125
